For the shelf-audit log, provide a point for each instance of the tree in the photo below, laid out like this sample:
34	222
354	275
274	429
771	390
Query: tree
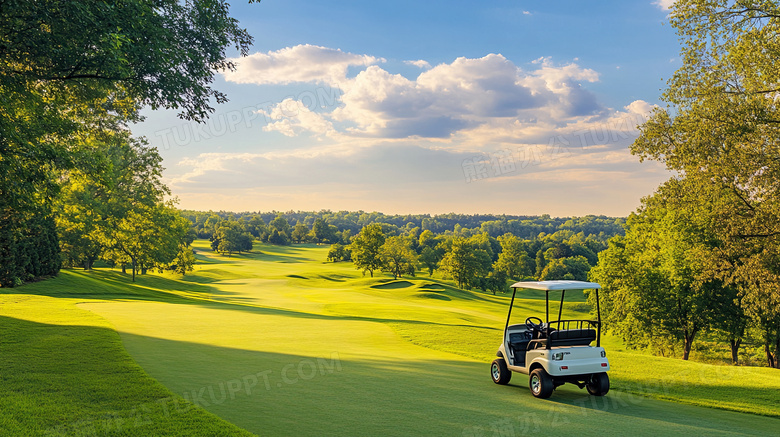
147	236
398	257
338	253
366	248
541	263
63	88
183	263
656	280
300	232
430	258
513	261
575	267
282	228
466	263
721	137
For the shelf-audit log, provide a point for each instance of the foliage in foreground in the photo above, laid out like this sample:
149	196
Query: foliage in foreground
718	227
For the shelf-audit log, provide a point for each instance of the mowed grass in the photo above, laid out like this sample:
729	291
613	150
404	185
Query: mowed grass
64	371
279	342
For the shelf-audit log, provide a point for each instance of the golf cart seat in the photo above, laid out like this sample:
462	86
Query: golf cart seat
572	337
518	341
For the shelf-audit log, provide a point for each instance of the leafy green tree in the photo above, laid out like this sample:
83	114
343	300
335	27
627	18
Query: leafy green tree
513	260
398	257
63	88
466	262
339	252
720	137
324	232
282	228
428	239
146	236
183	263
278	238
656	280
575	268
541	263
366	248
346	237
430	258
300	233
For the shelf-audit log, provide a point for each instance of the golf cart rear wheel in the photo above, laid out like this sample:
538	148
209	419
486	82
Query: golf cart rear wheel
598	384
541	384
499	372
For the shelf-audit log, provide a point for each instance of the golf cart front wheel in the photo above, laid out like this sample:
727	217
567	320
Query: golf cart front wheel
598	384
541	383
499	372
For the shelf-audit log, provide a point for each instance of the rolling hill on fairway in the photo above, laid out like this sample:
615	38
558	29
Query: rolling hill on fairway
278	342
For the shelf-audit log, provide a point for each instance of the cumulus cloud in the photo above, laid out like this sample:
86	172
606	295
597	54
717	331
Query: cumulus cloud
640	107
419	64
664	4
292	117
392	130
301	63
440	102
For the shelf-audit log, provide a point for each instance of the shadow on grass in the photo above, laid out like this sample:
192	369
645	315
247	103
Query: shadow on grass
79	380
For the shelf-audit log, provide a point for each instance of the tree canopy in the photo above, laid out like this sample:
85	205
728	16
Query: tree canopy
73	74
720	136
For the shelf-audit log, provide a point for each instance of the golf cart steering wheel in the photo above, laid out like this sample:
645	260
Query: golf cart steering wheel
535	327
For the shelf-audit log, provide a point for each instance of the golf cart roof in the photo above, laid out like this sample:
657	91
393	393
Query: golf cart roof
557	285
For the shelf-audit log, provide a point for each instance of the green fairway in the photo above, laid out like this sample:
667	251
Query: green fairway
279	342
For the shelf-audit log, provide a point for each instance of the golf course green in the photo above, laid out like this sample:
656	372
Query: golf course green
279	342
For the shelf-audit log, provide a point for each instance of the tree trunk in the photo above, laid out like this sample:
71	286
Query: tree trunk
777	351
688	343
772	356
734	343
132	259
124	268
769	358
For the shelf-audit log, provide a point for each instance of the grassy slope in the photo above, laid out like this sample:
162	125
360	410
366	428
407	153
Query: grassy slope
280	343
64	371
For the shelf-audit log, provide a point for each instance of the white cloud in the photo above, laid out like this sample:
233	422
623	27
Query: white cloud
419	64
301	63
640	107
442	101
526	13
293	117
464	94
664	4
390	130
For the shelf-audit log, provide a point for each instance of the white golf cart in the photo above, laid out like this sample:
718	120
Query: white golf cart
553	352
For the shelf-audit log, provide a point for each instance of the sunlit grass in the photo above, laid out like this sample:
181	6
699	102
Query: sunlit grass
402	357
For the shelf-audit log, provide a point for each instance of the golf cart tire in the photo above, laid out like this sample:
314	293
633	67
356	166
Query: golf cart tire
598	384
499	372
540	383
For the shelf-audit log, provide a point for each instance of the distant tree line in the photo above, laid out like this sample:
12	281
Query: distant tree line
485	256
473	259
329	227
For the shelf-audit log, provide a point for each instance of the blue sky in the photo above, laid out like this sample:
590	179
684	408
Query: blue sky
513	107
